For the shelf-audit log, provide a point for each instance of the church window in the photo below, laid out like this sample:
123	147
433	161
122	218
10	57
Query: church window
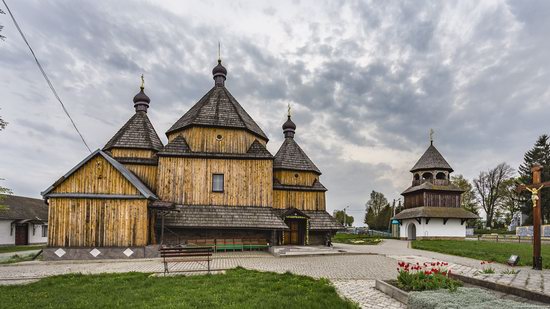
296	175
416	177
440	175
217	183
219	137
44	231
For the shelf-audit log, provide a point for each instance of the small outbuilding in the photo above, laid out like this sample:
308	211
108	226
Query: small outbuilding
432	203
23	221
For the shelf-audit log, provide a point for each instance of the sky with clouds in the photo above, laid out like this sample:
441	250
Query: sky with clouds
366	81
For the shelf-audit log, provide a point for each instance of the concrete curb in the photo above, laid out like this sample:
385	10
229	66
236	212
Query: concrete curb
508	289
392	291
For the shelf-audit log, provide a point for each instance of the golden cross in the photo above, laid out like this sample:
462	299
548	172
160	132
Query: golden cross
288	109
142	82
219	51
431	136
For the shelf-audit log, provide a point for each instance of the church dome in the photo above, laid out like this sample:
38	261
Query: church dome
219	69
289	125
141	97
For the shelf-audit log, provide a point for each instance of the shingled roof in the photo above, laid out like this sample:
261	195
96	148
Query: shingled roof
291	157
427	185
435	212
23	208
138	132
430	160
319	220
218	108
224	217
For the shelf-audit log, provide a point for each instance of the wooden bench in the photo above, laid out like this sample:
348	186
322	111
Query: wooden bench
185	254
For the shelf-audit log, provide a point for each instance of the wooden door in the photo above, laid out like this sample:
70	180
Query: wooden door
21	235
294	233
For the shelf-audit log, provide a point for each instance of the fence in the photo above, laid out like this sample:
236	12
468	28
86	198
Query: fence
507	238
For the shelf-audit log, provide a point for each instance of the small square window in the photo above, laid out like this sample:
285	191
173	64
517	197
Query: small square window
44	231
217	183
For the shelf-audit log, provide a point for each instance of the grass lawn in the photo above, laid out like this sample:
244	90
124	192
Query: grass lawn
485	250
9	249
356	239
237	288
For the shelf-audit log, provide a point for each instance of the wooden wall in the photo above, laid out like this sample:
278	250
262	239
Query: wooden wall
97	176
204	139
97	222
286	177
189	181
303	200
432	199
146	173
131	153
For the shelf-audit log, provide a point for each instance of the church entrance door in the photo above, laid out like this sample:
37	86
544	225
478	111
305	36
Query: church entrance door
411	235
296	233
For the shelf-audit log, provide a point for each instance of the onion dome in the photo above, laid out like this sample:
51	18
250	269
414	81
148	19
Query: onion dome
141	100
219	73
289	128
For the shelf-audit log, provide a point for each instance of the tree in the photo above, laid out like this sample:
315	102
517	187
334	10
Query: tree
2	27
468	201
376	202
511	200
3	191
540	153
488	186
383	218
339	215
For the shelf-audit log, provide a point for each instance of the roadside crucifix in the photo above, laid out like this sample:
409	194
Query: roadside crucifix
537	212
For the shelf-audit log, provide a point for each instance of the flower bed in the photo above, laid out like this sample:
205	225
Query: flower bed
423	277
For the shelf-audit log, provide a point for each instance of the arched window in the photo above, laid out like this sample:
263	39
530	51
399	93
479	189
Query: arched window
441	175
416	177
427	175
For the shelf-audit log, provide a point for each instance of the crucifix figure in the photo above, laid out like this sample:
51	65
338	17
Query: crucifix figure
537	213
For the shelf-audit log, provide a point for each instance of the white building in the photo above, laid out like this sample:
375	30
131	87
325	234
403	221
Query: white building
432	203
23	221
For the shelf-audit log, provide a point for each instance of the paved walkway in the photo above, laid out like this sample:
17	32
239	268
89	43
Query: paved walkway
353	275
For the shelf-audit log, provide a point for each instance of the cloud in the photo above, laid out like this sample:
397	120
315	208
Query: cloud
366	80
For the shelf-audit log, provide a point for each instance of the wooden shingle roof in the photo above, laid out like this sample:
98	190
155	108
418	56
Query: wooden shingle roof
138	132
291	157
224	217
218	108
23	208
430	160
435	212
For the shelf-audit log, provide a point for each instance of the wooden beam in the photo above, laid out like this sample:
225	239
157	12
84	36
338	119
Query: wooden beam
462	221
419	220
427	220
445	220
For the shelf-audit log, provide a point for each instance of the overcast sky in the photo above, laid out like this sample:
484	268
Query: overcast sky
366	81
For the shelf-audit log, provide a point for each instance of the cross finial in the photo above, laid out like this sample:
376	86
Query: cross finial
431	136
288	109
219	51
142	82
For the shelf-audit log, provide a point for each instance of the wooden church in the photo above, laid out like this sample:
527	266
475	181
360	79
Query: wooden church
214	180
432	203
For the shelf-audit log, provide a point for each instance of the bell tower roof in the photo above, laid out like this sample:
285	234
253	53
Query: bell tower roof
431	160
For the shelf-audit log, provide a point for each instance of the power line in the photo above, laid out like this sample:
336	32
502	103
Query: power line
46	76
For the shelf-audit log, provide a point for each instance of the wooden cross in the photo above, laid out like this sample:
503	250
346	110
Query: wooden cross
535	188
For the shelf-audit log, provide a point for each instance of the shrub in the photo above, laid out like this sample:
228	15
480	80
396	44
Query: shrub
428	276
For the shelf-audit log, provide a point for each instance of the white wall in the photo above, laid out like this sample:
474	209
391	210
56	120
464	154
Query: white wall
37	237
5	237
435	228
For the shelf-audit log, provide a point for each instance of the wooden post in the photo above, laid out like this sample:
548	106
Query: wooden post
162	230
537	220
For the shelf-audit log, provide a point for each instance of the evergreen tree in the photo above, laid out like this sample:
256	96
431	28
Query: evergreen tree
540	153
